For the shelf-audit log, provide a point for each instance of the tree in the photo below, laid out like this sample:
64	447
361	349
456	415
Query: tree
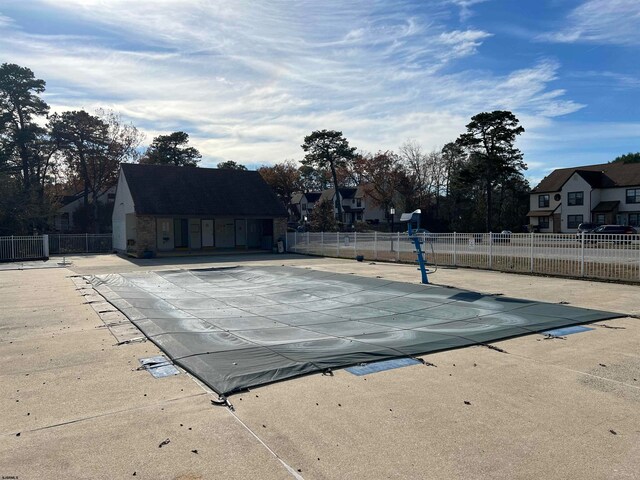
124	138
453	157
171	150
328	149
414	161
26	151
312	179
384	176
283	178
492	156
93	147
231	165
84	141
322	217
628	158
19	104
512	202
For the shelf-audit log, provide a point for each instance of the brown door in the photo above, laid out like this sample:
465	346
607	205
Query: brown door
556	223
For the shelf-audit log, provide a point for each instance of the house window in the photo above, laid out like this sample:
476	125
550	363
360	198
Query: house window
543	201
359	202
543	222
304	207
600	218
359	217
573	221
575	198
633	195
634	219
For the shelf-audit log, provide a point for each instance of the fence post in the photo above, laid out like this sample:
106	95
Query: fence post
338	244
375	245
398	249
13	248
582	254
531	253
355	243
322	243
490	251
86	242
455	253
45	246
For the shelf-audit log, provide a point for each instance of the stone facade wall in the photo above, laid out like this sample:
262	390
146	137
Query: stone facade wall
145	235
279	229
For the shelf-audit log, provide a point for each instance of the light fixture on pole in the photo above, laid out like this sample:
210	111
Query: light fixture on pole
392	212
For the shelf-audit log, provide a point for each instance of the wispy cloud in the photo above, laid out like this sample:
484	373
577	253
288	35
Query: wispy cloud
607	79
601	21
247	80
5	21
463	43
465	7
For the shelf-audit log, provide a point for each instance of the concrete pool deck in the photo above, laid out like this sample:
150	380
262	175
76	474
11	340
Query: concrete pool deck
547	408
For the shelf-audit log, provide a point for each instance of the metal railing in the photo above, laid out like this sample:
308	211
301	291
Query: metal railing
36	247
60	244
610	257
18	248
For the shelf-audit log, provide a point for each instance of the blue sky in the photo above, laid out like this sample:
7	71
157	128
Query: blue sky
249	79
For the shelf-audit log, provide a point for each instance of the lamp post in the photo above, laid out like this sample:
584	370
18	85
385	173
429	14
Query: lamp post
392	212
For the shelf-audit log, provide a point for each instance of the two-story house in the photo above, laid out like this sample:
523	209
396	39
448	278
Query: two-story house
604	194
63	220
357	204
302	204
351	200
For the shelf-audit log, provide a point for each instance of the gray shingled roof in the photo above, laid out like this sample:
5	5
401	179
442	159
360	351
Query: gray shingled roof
606	175
346	193
169	190
313	197
296	197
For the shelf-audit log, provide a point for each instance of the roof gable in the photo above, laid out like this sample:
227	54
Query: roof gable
170	190
313	197
594	179
345	193
605	175
297	197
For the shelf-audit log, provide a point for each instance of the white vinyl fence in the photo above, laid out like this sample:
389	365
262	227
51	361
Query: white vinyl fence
611	257
36	247
17	248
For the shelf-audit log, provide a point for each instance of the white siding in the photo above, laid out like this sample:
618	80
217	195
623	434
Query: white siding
575	184
123	205
553	204
596	198
620	194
